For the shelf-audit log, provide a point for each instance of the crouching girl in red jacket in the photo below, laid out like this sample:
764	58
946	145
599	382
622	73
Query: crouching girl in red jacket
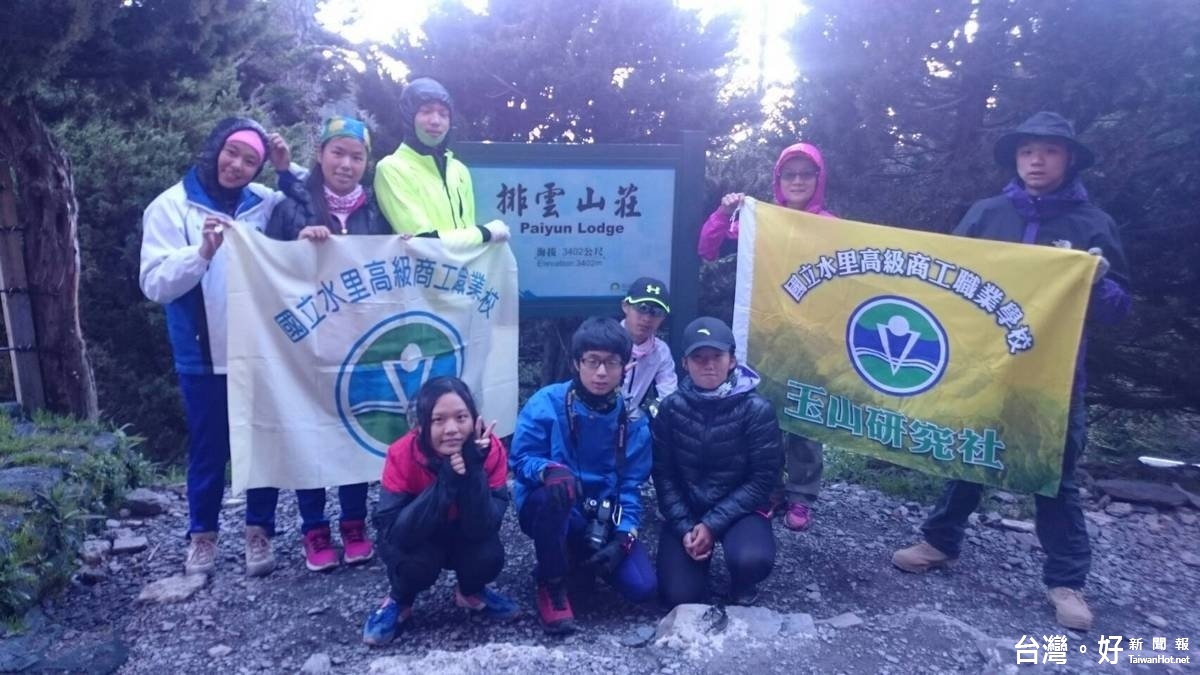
443	496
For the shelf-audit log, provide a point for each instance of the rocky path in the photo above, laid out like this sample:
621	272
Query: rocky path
833	605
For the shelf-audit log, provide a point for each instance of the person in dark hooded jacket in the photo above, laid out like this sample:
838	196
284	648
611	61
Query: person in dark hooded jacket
797	182
1044	205
183	266
330	202
717	460
422	189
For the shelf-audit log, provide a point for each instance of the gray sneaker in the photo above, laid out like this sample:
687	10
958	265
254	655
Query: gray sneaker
260	561
201	553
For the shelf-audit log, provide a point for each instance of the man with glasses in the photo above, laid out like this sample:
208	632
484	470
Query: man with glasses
646	307
579	460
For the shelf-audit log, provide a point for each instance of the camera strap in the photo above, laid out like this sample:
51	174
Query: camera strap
621	436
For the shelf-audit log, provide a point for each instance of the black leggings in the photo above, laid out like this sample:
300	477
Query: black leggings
475	564
749	546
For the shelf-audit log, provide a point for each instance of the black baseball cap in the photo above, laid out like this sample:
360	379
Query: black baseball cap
647	289
707	331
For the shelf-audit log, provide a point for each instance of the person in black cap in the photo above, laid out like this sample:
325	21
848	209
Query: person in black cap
421	188
1044	204
646	307
718	458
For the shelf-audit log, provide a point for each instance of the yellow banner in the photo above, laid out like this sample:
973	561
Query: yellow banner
948	355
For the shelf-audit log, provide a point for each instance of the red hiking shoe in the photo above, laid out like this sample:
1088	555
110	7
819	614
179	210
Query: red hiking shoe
554	607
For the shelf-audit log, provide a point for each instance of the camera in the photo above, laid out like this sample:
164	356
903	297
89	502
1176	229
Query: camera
603	516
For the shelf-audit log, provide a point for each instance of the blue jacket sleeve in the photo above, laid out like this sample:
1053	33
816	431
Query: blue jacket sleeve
639	456
530	451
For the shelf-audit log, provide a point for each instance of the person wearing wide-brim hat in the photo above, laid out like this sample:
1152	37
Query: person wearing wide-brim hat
1044	204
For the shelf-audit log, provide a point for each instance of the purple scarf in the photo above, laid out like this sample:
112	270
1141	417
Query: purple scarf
1035	209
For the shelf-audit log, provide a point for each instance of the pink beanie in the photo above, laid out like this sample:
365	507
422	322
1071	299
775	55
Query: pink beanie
250	138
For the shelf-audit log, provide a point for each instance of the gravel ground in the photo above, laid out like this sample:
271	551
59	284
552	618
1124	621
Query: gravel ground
1144	584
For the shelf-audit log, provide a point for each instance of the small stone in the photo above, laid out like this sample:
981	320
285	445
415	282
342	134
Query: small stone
112	524
233	502
317	664
313	611
167	626
93	551
174	588
124	513
1186	518
1018	525
1119	509
1156	621
845	620
129	544
91	574
145	503
1189	558
220	651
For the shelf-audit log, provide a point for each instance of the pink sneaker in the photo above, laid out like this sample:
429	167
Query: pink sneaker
798	517
356	547
319	554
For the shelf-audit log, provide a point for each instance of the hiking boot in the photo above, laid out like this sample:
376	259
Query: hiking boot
259	559
554	607
1070	609
487	603
744	597
384	623
920	558
319	553
356	547
798	517
201	553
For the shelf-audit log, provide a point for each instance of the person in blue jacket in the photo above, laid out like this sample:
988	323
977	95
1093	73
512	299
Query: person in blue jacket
579	460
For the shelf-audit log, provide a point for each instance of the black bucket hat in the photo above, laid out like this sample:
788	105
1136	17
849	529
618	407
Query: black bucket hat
1046	125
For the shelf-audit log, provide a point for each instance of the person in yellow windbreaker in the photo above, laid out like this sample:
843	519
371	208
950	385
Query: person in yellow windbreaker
421	188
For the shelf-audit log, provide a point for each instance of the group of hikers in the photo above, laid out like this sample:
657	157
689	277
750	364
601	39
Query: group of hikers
582	449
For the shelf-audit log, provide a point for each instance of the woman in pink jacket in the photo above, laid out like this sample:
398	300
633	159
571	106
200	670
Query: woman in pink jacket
799	183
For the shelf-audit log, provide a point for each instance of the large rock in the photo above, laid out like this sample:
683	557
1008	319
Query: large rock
496	657
95	659
29	480
143	503
699	632
174	588
1143	492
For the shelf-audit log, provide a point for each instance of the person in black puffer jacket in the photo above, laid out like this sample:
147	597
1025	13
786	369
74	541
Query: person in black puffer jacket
718	456
332	201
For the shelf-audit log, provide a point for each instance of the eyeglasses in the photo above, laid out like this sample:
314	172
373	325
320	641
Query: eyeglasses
789	176
650	308
593	363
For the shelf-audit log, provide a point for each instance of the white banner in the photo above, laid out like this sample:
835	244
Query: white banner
329	343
